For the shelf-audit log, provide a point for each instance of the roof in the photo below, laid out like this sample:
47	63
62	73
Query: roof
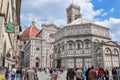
79	21
72	6
30	32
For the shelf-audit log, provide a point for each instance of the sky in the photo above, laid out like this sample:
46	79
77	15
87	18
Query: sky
102	12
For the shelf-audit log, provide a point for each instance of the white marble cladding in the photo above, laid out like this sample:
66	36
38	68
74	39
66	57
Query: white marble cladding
82	29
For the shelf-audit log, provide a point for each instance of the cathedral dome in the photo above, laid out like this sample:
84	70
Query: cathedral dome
31	31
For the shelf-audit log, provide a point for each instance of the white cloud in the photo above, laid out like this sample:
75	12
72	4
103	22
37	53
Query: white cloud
86	6
87	11
112	9
104	14
114	25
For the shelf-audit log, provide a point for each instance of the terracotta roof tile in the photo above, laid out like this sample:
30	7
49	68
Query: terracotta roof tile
31	31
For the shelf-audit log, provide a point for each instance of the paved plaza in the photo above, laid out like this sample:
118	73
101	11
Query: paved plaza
43	76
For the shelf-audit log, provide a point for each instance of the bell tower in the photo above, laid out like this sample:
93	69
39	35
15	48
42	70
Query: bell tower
73	13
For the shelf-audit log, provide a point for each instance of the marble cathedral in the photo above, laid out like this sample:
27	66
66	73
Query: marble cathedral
83	43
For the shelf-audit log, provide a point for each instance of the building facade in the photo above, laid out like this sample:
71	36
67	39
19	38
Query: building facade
38	45
47	34
9	14
83	43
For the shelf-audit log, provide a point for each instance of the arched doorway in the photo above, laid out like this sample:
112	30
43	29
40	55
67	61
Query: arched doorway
37	62
59	63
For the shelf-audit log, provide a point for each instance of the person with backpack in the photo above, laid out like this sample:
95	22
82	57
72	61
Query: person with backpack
13	73
70	74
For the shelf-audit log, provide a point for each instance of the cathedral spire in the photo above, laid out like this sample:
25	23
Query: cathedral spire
33	22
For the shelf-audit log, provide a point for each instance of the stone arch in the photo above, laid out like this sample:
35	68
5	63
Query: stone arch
115	51
87	43
115	57
58	48
108	51
98	51
70	44
37	61
78	44
108	58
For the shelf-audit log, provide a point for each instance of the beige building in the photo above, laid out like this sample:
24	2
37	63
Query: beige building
9	13
83	43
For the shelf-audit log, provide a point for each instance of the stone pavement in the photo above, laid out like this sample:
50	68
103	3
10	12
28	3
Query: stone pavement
43	76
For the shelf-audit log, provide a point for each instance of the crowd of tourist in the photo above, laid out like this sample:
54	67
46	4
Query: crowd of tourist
92	74
17	73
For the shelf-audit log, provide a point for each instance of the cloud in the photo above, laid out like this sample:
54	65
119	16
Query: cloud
54	11
87	9
104	14
112	9
114	25
45	9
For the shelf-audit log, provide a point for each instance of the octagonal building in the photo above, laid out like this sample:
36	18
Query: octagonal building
83	43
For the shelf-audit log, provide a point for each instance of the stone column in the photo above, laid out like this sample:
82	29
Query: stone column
94	56
66	56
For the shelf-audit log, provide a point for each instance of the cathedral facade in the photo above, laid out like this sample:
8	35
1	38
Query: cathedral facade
37	45
83	43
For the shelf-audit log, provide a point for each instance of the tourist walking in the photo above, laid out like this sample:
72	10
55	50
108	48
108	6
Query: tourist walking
92	74
106	74
79	74
18	74
70	74
55	74
13	73
7	74
118	73
30	75
114	73
86	74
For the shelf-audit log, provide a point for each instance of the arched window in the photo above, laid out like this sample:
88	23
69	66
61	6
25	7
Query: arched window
70	45
107	51
78	46
87	45
76	16
69	18
115	52
63	47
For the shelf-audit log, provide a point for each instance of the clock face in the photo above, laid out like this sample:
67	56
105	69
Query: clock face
51	35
